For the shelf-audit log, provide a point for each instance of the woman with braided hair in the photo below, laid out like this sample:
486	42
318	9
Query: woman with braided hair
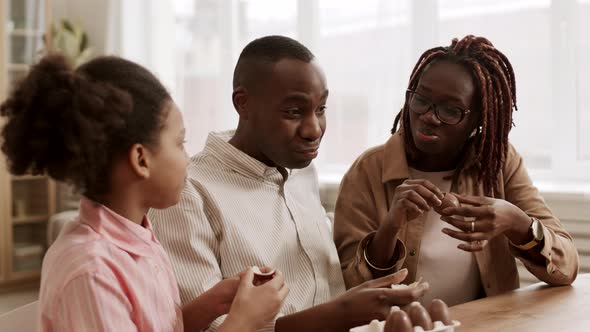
451	136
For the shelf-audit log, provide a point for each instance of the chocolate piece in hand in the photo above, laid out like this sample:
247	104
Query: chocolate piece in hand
449	200
261	277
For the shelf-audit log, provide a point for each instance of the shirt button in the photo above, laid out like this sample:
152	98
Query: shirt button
413	253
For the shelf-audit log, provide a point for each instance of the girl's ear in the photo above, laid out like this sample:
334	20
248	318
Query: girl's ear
139	160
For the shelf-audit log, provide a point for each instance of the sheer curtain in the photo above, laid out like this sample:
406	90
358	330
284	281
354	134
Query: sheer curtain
368	49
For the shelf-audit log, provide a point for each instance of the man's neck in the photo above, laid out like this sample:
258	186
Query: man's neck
242	141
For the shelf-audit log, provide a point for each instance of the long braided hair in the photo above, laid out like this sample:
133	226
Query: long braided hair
494	80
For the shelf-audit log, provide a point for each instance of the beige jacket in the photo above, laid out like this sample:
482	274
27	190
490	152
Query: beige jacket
365	196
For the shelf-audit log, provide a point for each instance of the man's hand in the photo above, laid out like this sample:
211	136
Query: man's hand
373	299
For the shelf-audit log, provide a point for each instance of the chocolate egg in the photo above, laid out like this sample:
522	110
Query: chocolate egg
449	200
439	311
419	316
398	321
411	215
261	277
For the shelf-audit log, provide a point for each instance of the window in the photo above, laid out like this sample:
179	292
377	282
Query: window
358	45
531	60
368	49
209	34
582	63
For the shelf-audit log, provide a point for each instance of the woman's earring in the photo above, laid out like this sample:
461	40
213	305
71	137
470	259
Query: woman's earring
475	131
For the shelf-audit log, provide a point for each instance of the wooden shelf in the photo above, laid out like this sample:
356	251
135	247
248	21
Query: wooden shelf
31	197
33	274
18	67
30	219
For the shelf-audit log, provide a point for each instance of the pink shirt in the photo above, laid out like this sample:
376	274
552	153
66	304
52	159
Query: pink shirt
106	273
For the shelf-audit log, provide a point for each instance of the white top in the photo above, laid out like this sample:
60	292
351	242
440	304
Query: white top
452	273
236	212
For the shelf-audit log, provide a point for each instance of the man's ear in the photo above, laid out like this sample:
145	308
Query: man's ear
240	100
139	159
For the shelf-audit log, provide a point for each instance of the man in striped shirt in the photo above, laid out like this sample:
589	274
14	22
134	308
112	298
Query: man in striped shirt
252	198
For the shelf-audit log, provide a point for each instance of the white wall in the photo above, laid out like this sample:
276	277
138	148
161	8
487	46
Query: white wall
146	36
94	18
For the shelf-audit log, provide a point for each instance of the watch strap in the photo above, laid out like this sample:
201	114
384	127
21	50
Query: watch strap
531	244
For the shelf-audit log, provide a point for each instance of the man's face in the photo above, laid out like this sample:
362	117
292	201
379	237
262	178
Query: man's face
287	113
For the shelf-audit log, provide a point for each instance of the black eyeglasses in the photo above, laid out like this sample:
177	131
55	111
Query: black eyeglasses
448	114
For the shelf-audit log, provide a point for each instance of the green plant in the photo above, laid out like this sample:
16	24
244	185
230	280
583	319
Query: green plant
70	40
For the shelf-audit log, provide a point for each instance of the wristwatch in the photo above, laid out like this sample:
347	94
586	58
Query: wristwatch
537	230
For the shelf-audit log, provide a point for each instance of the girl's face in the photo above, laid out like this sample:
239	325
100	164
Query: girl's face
168	162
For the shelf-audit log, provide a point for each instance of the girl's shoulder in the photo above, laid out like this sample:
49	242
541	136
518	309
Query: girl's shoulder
80	251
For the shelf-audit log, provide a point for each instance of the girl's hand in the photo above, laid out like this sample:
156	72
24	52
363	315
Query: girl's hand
223	293
255	306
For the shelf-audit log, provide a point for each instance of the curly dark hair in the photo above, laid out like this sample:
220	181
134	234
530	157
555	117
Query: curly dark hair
496	89
73	124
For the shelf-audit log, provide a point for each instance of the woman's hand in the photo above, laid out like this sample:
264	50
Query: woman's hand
481	219
411	199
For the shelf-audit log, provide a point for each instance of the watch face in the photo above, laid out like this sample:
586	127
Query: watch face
537	229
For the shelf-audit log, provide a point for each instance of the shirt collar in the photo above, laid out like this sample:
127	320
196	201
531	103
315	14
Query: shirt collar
117	229
395	163
219	147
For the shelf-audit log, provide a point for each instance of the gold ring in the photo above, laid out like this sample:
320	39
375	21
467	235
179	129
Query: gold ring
473	227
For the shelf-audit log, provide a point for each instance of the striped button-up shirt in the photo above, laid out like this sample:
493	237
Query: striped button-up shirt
107	273
235	212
